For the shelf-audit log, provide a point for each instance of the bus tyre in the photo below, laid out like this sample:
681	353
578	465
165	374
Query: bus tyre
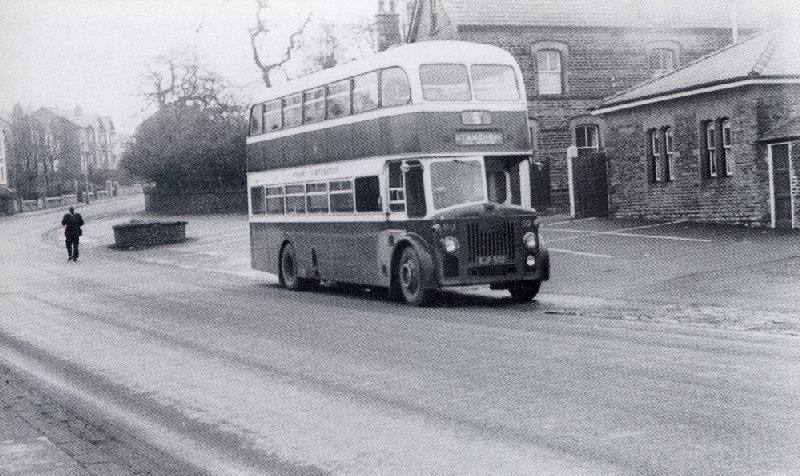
288	271
524	291
411	276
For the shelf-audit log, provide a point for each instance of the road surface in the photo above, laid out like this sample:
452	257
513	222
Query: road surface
220	368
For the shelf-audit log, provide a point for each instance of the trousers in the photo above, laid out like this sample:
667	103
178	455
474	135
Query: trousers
72	247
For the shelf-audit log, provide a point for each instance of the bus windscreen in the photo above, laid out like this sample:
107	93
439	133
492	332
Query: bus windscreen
454	182
495	82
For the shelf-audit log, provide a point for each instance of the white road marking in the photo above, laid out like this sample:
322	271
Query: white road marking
620	232
569	221
579	253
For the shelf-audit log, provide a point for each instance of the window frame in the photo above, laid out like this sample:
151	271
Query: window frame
552	72
354	89
321	90
669	152
279	113
296	105
513	71
349	94
261	191
657	55
324	193
710	147
351	192
654	154
259	117
301	194
381	89
727	145
467	75
585	127
281	196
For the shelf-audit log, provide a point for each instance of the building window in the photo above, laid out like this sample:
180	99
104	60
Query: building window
711	149
669	152
727	144
587	137
662	61
548	64
654	149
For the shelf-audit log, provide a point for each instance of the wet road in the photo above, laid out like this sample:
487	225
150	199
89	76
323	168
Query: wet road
223	369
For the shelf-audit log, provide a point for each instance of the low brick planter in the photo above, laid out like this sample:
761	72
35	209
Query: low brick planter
141	234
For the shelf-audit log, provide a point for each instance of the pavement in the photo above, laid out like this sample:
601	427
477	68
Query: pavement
194	354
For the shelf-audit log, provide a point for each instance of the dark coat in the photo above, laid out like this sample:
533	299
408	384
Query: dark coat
73	225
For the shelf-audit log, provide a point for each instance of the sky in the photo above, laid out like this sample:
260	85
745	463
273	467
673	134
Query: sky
94	53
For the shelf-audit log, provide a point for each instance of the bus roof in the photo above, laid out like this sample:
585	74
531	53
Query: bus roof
409	56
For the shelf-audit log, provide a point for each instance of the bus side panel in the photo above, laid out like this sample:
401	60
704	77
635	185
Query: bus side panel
265	246
343	251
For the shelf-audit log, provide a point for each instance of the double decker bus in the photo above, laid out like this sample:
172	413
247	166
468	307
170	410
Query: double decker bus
406	170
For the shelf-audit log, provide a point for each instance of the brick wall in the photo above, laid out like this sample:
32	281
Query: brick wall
740	199
599	63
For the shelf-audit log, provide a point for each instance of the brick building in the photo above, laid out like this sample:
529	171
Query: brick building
573	53
716	141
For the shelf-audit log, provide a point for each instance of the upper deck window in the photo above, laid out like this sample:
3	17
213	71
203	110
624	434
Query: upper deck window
445	82
365	92
293	110
273	117
494	82
454	182
314	105
255	119
339	99
395	90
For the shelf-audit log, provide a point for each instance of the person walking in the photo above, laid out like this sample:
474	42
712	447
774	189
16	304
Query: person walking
72	223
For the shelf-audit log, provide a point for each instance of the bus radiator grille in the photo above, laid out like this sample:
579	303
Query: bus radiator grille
491	244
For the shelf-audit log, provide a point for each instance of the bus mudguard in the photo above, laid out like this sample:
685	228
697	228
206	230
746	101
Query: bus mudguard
425	255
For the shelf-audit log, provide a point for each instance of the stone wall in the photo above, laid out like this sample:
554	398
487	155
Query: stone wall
742	198
195	203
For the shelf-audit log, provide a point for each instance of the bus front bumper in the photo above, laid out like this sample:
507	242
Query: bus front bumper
453	272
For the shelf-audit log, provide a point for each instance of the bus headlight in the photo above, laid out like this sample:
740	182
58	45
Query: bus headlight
530	261
530	240
450	244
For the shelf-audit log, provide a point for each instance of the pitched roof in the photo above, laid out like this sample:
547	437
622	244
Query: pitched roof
771	55
612	13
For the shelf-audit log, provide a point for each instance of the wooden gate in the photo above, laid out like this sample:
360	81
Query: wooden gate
589	185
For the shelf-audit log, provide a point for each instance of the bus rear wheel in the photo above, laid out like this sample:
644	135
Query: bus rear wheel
288	272
410	276
524	291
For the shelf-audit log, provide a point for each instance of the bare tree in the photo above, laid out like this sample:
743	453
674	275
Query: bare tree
180	78
262	44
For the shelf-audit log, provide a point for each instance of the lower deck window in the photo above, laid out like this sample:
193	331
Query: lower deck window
342	196
275	203
317	197
368	194
295	199
257	200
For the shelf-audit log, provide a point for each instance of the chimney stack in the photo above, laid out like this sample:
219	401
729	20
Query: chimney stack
387	25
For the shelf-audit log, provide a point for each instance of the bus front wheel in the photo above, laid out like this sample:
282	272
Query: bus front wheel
411	278
524	291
